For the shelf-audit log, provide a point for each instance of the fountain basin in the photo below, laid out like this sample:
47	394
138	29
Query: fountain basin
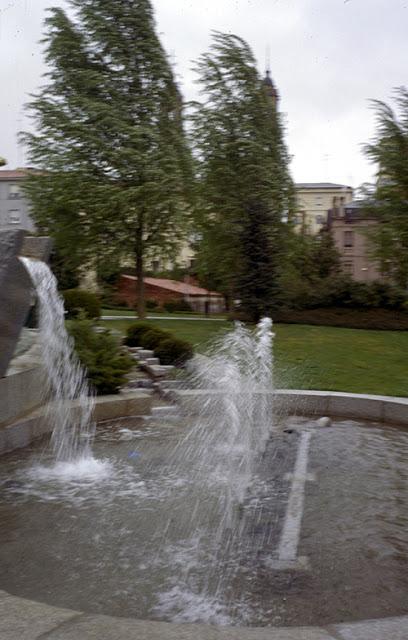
387	409
89	625
22	432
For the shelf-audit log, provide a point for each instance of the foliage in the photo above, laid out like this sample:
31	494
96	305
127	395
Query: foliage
135	332
78	303
173	306
167	347
388	198
152	338
109	139
174	351
353	318
245	188
151	305
101	355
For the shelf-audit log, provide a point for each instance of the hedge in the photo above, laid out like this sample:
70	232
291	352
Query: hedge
78	302
168	348
173	351
378	319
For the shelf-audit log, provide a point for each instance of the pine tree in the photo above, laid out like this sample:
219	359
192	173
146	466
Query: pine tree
389	197
243	172
109	136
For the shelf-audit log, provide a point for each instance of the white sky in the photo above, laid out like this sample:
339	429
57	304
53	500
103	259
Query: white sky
327	57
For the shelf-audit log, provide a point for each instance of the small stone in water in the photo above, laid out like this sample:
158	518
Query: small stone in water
324	422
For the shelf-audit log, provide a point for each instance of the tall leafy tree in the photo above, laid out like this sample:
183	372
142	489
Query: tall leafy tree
389	197
109	136
243	173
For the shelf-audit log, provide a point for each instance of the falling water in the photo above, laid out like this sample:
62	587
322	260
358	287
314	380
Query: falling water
220	454
66	385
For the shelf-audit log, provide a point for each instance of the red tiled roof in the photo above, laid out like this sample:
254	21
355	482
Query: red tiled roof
178	287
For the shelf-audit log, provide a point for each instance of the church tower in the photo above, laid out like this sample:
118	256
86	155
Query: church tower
270	89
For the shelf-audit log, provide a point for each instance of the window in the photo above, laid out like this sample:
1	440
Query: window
14	216
348	238
348	268
320	220
14	192
156	265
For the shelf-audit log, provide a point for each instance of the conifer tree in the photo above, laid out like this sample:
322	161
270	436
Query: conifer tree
389	196
243	174
109	136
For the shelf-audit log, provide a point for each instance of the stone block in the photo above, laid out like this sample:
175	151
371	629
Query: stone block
396	411
109	408
349	405
139	405
38	247
145	353
27	620
307	403
18	435
90	627
20	393
15	294
382	629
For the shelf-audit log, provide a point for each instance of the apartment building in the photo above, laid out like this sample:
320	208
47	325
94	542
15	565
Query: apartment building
14	206
314	199
350	227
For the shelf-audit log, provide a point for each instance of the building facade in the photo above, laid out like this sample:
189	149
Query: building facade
314	199
14	206
350	228
162	290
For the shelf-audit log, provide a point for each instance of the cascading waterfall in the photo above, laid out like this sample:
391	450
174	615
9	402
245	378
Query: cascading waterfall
70	403
219	457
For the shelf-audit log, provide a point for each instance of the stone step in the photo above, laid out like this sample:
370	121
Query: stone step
172	384
151	361
145	353
170	409
140	383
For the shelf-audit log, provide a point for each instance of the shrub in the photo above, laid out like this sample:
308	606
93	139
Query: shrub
151	305
101	355
378	319
135	332
151	339
173	351
81	303
177	305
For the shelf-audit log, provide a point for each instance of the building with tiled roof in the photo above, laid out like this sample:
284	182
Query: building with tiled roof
163	290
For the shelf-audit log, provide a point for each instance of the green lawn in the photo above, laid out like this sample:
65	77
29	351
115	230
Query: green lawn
309	357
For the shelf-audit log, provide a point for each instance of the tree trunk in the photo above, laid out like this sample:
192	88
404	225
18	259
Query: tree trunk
140	288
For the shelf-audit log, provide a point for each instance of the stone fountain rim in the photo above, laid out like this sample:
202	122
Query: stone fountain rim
28	619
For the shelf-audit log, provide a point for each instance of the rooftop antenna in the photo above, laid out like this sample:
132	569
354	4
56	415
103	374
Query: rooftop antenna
268	59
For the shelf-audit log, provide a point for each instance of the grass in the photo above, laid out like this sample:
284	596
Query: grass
310	357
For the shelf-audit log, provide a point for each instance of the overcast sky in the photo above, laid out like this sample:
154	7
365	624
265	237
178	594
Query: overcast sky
327	58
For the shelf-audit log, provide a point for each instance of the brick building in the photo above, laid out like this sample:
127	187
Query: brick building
162	290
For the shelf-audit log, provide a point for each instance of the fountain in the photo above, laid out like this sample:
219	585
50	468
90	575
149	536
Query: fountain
66	387
236	511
